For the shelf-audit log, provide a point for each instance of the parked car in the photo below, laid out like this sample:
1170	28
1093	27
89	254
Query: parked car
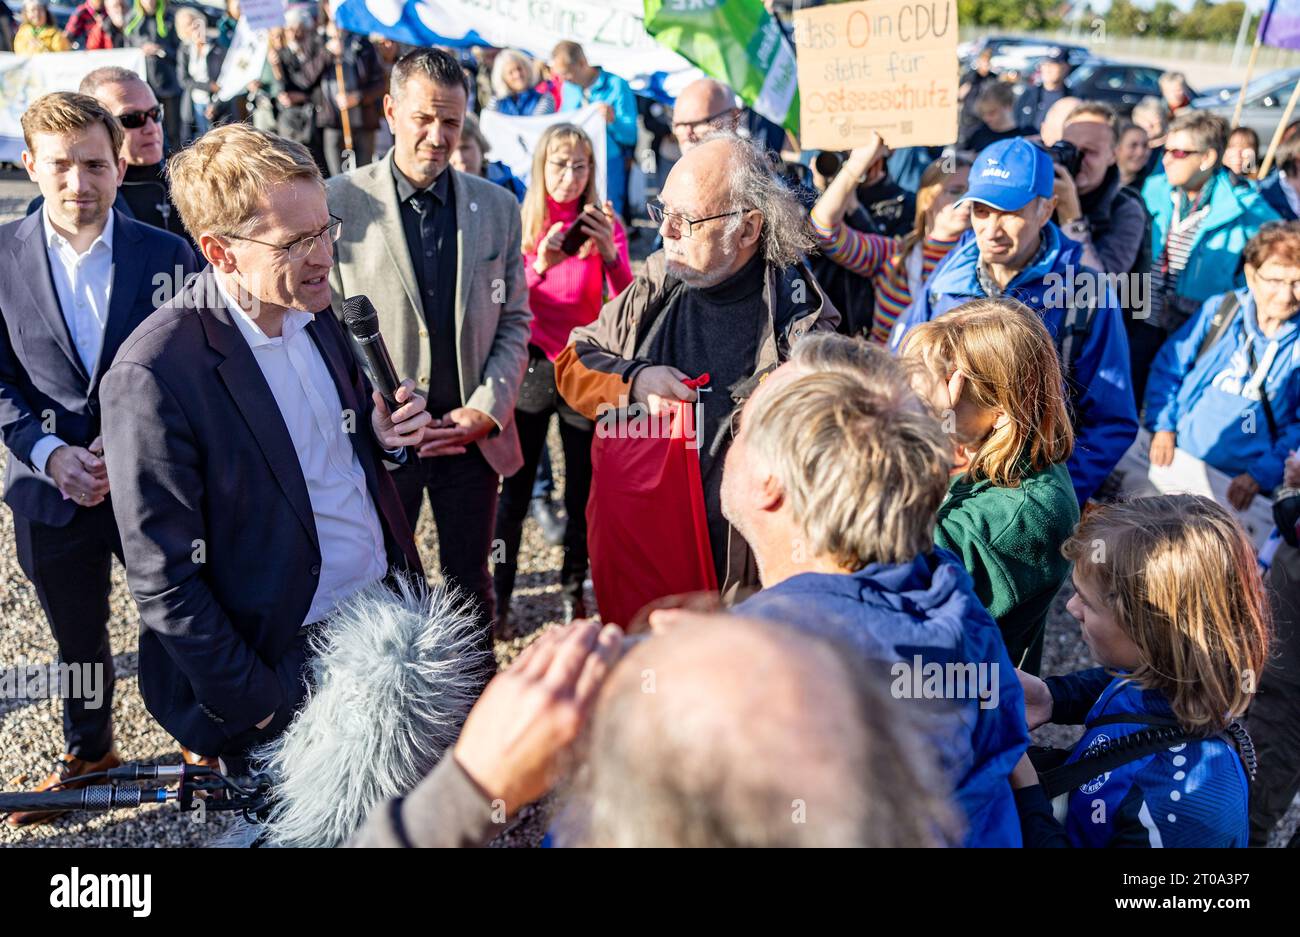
1019	54
1266	99
1119	84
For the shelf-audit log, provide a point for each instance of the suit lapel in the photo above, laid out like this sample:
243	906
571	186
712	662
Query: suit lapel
383	188
128	271
467	215
252	395
467	238
34	260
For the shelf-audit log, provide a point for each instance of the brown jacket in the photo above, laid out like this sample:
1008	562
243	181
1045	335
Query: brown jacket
598	366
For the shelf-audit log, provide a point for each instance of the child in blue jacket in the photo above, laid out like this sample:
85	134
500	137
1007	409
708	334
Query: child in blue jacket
1170	602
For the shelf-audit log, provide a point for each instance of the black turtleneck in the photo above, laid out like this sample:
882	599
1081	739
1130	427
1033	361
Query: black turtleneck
714	330
146	193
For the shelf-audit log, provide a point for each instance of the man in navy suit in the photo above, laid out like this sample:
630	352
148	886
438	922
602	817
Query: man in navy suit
1282	189
76	278
246	451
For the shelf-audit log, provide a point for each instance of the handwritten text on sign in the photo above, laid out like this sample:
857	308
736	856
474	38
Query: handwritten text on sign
883	65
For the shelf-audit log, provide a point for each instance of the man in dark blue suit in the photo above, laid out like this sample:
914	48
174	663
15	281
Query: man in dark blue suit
246	451
1282	189
76	278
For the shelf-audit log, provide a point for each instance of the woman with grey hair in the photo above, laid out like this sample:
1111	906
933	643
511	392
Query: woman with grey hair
514	76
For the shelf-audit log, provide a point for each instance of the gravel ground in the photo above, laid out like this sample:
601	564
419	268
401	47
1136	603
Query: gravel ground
31	733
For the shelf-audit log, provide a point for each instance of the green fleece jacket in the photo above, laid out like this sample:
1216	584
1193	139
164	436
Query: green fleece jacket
1009	540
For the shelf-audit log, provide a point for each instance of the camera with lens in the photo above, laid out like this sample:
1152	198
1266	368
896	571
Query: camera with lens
1066	155
828	163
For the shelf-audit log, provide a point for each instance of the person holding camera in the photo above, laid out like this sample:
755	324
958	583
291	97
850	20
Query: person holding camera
574	250
1092	206
1016	251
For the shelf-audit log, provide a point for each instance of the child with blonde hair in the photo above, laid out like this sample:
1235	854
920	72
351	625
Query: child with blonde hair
1171	604
990	371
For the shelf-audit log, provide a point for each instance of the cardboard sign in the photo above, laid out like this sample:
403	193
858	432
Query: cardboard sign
882	65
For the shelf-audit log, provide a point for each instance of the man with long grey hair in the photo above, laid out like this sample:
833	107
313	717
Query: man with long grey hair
728	295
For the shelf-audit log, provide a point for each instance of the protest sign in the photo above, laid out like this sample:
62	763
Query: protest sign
513	139
244	62
885	65
23	79
262	14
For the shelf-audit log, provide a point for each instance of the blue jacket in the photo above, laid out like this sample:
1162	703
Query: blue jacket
1217	417
1194	794
926	608
1236	213
1270	190
1105	415
609	89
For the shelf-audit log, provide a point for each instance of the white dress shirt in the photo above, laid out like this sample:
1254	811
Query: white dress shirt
347	523
84	285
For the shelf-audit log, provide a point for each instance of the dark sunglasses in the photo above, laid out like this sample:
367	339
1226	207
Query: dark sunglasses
134	120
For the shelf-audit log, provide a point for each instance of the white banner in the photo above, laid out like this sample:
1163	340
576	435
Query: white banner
244	61
1189	475
23	79
514	139
612	32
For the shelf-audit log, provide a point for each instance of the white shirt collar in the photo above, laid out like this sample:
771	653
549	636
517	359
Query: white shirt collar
56	241
295	320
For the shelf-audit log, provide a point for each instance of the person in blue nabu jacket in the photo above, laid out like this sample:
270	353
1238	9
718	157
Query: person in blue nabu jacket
1015	250
1211	381
834	479
1162	761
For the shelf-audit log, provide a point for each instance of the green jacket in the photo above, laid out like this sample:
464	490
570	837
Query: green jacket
1009	540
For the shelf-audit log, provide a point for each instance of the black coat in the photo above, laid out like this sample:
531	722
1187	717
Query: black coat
200	460
216	56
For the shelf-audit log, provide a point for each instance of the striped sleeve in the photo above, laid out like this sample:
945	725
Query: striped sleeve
863	254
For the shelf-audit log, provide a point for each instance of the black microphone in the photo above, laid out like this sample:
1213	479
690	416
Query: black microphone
363	322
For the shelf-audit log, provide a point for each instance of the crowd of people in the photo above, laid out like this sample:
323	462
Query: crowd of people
930	386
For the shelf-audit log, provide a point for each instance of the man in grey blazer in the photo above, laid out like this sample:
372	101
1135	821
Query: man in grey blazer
439	253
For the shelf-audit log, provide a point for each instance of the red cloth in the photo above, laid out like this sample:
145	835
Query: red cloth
647	531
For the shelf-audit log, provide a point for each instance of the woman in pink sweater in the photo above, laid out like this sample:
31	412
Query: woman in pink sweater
569	278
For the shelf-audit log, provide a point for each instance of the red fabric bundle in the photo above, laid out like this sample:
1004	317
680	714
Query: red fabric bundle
646	527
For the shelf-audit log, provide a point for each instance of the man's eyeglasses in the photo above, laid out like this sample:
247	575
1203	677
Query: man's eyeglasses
1183	154
692	129
134	120
300	248
685	226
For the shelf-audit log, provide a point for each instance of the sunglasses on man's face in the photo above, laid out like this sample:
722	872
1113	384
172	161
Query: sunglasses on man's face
134	120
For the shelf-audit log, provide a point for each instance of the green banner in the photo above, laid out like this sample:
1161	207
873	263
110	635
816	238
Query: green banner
736	41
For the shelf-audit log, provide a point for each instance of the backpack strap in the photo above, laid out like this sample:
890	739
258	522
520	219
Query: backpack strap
1223	317
1110	755
1164	733
1073	336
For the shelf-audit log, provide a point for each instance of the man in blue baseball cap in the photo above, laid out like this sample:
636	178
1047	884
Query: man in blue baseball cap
1015	250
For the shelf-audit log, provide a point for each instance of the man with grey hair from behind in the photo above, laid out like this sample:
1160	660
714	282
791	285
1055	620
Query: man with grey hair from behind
728	296
835	478
755	734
